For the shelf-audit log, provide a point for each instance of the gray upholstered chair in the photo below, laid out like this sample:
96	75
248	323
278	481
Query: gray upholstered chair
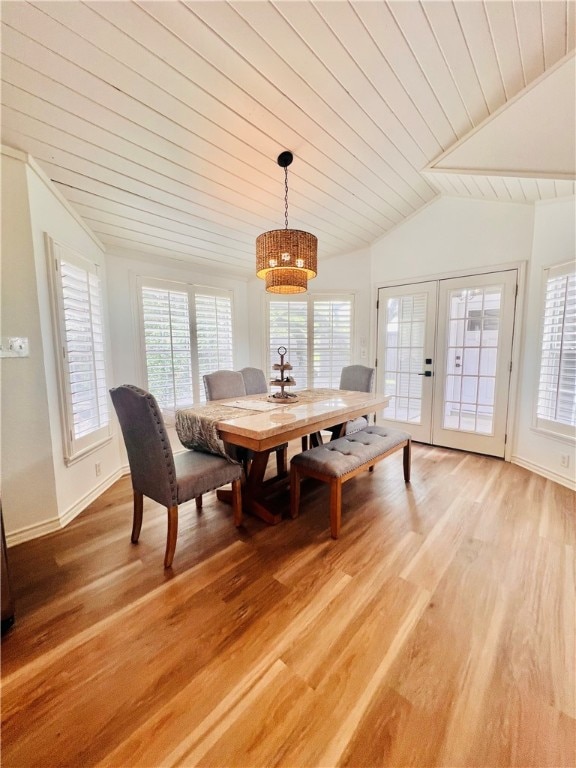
356	378
159	474
220	385
254	381
223	384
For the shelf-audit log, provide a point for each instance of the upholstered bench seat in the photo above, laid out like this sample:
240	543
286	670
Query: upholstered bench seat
339	460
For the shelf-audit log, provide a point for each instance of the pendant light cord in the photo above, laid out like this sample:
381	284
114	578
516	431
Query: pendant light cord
286	197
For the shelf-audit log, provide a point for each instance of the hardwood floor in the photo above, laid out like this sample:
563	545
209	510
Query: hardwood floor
438	630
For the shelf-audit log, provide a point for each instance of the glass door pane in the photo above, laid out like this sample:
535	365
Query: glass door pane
472	337
474	351
405	318
405	341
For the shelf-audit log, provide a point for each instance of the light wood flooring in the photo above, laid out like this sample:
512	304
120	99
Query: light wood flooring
437	631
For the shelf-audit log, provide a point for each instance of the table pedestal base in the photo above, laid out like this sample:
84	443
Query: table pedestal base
256	491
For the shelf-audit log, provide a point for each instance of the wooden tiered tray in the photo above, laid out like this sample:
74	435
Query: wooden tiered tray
282	381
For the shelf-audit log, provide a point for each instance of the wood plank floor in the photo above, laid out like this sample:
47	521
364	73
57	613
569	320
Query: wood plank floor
437	631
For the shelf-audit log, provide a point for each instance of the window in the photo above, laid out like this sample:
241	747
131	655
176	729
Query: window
288	327
483	320
166	323
77	303
556	402
317	333
187	332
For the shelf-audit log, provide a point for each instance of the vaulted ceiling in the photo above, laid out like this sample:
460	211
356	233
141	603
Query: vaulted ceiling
161	122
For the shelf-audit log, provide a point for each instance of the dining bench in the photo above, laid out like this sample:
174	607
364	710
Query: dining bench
341	459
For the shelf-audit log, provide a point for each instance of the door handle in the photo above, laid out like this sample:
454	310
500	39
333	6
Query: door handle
426	373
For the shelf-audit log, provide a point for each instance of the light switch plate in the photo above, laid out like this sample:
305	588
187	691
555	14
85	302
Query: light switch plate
14	346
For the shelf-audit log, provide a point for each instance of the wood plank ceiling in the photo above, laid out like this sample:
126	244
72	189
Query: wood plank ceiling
160	122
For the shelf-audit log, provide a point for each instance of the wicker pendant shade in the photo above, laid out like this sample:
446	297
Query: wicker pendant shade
286	258
290	248
286	281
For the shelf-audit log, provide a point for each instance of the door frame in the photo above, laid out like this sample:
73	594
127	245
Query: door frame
518	328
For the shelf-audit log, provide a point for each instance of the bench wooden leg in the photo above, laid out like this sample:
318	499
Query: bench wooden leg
335	506
294	491
407	460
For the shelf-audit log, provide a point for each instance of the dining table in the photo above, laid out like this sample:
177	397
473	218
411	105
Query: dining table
261	423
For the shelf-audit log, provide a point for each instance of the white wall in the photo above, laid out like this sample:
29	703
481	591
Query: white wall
39	492
554	243
76	484
454	234
28	480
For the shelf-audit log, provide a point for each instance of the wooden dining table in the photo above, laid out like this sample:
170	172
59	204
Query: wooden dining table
257	423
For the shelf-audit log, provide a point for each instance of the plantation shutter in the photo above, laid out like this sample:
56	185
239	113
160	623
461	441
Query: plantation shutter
187	332
556	402
167	345
214	333
332	340
80	340
84	348
317	333
289	328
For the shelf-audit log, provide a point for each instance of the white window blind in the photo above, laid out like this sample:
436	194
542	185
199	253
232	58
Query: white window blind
332	340
289	328
214	330
167	343
187	332
556	402
82	356
317	333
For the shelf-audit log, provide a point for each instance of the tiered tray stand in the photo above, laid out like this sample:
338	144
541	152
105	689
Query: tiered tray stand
282	381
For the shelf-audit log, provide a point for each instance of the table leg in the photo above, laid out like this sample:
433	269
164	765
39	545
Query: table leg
316	439
254	490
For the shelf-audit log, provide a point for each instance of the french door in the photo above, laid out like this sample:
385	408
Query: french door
444	357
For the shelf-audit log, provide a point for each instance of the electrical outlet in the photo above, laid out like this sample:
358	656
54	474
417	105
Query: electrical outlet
564	460
98	468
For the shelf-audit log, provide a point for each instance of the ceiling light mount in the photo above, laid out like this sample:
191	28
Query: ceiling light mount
286	258
285	159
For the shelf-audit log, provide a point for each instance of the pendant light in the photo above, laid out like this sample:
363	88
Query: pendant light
286	258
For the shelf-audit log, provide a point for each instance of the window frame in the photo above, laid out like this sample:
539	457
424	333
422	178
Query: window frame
310	299
549	427
75	448
192	290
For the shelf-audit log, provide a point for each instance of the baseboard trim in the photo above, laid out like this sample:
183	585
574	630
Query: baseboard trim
544	472
34	531
29	532
86	500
